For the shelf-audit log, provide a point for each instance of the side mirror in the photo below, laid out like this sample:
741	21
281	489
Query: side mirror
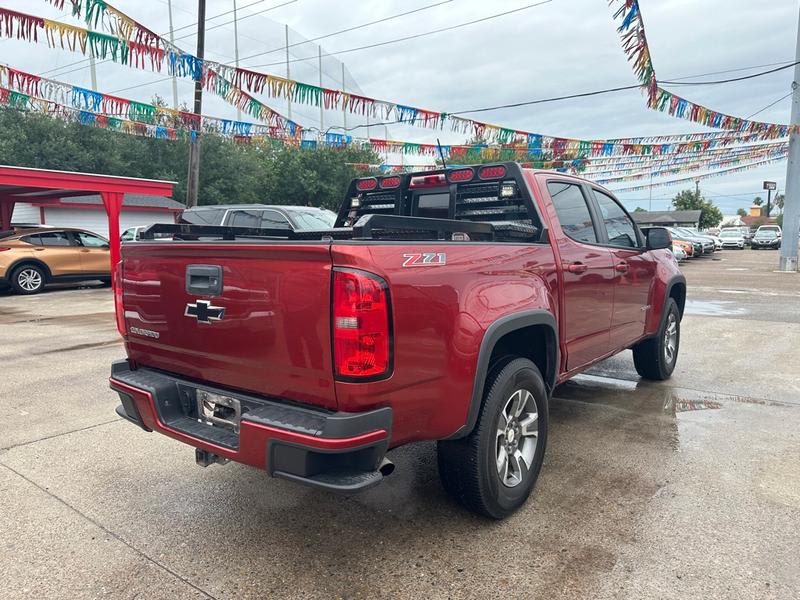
658	238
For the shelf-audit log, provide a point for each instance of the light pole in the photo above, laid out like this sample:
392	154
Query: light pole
791	200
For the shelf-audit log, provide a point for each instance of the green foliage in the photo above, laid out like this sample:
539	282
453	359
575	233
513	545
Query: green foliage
711	216
639	209
230	173
741	212
757	223
757	201
779	220
779	201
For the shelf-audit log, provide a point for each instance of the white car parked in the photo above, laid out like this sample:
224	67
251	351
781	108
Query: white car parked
732	238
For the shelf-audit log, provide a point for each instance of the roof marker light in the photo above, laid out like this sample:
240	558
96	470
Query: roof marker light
365	185
495	172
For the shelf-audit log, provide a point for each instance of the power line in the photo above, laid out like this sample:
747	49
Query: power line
415	36
732	70
614	89
770	105
354	28
742	78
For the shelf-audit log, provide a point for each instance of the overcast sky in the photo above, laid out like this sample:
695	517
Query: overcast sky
558	48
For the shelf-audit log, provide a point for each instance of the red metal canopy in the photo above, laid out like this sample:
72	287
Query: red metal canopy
22	184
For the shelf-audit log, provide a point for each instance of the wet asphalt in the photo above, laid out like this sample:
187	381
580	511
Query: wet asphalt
683	489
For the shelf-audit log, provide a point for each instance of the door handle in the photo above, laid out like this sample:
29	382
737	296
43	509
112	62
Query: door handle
577	267
621	267
84	250
39	249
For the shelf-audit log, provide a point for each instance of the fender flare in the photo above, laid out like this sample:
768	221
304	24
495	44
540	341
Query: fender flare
673	281
492	335
28	261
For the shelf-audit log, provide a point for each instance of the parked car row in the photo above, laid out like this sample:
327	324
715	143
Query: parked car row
32	255
690	243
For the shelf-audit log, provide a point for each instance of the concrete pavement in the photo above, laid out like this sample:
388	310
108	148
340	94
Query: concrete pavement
683	489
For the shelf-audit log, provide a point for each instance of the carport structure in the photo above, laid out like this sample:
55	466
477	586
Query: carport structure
23	184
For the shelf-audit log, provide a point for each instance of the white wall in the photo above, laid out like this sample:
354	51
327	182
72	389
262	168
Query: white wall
25	213
89	218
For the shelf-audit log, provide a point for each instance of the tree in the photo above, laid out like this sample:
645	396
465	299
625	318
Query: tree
779	201
639	209
779	220
710	215
230	172
757	201
741	212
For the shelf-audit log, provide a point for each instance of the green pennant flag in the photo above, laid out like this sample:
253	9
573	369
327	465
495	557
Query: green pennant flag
95	9
106	46
138	111
17	100
307	94
505	135
584	148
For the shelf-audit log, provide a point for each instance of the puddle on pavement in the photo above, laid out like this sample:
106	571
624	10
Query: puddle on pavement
707	308
80	347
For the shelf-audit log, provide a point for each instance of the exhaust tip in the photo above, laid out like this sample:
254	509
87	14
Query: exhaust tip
386	467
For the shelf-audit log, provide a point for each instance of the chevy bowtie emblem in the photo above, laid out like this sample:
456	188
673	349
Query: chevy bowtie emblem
204	312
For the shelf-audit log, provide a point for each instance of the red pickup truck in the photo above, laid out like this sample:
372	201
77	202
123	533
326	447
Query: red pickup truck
444	305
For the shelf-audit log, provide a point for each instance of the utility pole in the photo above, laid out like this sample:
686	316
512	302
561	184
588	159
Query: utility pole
650	205
92	65
288	71
697	188
344	108
791	202
236	51
172	41
193	181
319	58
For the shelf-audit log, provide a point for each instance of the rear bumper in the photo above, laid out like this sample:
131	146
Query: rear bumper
332	450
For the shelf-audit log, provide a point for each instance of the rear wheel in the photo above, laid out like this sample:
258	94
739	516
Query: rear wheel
655	357
28	279
492	471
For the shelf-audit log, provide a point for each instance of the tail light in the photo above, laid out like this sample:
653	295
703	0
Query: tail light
361	330
119	309
492	172
4	248
390	182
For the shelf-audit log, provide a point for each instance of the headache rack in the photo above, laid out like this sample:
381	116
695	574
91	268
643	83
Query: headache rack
369	227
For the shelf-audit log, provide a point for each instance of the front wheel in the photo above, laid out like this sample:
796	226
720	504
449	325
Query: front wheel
655	357
492	471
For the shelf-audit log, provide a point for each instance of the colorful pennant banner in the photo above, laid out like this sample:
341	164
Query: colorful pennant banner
634	44
165	57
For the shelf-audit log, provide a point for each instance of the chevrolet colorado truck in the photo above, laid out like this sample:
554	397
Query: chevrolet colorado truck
444	305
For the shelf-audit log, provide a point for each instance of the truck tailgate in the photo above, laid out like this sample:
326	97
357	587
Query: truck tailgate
273	337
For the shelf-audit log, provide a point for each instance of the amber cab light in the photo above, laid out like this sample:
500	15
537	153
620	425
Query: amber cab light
119	309
492	172
365	185
361	333
390	182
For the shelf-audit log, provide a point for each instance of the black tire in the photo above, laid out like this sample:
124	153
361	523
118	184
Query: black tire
651	356
468	467
28	279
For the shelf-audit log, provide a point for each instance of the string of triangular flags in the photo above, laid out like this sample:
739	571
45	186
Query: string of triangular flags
164	57
634	44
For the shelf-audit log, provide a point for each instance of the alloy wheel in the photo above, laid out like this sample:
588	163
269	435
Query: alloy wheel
671	338
517	437
29	280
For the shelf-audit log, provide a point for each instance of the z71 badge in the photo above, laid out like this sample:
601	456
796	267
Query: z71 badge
425	259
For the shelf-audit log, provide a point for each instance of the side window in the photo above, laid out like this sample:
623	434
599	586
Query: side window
54	238
272	219
88	240
32	239
573	212
245	218
620	227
